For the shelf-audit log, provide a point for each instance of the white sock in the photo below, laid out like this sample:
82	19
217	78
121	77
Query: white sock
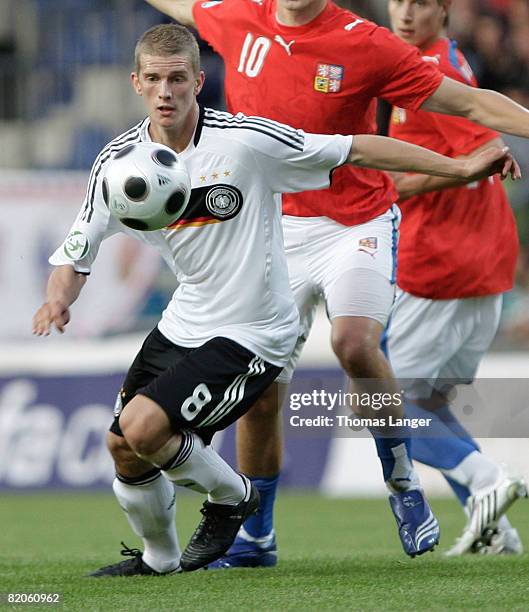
198	467
403	477
504	523
150	510
476	471
263	541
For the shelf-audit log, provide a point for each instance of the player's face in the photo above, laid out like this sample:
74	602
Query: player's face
418	22
169	88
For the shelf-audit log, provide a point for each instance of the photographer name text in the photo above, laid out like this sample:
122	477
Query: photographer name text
332	402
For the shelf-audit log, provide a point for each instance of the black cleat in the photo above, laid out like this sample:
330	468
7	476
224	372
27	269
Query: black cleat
130	567
216	531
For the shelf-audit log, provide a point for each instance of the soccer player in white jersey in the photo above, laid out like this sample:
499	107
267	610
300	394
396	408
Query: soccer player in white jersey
311	64
232	322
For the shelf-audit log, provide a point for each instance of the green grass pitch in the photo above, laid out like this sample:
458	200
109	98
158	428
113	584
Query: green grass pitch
334	555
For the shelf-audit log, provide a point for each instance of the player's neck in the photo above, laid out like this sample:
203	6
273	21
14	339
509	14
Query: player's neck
294	16
177	139
431	41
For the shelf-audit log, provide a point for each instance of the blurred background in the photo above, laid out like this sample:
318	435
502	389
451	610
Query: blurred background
64	93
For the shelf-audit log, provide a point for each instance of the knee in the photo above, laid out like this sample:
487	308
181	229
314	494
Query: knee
355	351
126	461
137	436
145	426
118	448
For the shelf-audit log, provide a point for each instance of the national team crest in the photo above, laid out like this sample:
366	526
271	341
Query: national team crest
368	243
328	78
398	115
223	202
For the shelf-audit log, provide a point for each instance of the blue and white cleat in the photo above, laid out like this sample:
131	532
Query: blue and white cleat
248	551
418	527
484	511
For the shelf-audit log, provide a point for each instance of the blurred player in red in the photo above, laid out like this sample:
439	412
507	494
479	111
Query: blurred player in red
321	68
457	253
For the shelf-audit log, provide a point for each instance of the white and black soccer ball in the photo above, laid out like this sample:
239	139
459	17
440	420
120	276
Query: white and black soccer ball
146	186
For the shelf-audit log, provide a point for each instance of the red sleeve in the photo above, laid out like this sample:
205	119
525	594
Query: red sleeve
212	18
401	76
460	133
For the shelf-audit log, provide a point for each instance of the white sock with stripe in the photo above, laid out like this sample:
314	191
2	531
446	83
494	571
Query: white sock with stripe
476	472
150	510
198	467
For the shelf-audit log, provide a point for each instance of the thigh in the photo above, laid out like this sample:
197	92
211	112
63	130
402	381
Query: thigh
360	292
211	387
484	316
155	356
356	268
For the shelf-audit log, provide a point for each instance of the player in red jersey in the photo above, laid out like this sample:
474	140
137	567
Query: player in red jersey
318	67
457	254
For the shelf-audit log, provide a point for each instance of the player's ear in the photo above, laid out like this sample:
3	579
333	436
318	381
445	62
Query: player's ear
446	8
136	83
199	82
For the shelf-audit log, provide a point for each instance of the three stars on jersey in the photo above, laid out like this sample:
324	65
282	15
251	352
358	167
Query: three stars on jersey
214	176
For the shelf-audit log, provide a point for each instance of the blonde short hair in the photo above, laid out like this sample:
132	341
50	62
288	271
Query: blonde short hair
168	39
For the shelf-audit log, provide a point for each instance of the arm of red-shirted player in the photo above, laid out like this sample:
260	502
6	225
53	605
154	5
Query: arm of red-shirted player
483	106
64	287
409	185
395	155
179	10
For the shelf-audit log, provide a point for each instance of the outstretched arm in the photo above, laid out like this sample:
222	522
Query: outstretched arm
390	154
483	106
409	185
64	287
179	10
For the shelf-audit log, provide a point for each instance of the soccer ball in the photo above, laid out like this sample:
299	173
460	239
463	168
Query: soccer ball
146	186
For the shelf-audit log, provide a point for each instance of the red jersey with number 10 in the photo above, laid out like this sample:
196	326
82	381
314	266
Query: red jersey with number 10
323	77
459	242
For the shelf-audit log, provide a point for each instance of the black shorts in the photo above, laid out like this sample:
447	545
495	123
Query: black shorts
202	389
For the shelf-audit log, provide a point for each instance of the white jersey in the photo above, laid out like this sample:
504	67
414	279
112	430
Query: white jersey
227	248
